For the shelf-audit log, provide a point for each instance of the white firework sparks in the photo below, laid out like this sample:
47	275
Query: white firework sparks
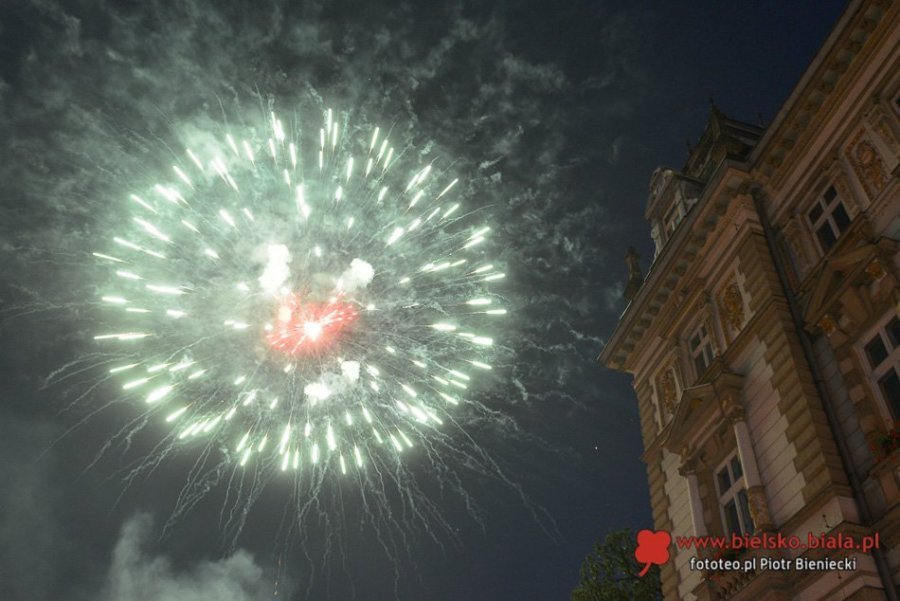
296	301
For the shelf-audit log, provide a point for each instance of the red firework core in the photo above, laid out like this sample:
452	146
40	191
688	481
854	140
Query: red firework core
302	327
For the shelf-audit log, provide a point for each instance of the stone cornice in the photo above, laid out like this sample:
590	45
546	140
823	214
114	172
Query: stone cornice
820	87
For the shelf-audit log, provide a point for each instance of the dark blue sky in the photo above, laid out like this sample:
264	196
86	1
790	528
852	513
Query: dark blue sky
557	112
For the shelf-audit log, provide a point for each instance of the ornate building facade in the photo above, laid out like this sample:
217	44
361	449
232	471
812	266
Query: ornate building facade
764	342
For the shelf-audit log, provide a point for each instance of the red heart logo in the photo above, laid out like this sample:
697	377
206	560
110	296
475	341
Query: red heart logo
653	548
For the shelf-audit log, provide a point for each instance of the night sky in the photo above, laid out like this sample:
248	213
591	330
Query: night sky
555	113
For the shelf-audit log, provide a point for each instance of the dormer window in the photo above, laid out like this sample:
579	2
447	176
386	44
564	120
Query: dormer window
828	218
672	196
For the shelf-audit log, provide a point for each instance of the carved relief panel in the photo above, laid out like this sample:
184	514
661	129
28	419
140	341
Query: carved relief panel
867	159
731	300
668	385
734	311
868	164
668	391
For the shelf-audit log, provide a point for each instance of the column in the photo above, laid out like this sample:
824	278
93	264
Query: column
688	469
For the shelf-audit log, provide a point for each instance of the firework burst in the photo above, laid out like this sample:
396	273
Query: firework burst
300	299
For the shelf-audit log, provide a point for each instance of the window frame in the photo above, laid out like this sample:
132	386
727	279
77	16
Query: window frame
707	338
891	361
673	218
733	494
826	217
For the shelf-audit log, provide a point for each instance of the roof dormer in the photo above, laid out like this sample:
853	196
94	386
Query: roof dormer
723	138
673	193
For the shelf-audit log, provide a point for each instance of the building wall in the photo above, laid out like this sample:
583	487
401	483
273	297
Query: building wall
786	316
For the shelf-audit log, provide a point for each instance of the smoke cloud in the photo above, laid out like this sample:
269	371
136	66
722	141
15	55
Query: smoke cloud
277	270
138	575
357	276
333	383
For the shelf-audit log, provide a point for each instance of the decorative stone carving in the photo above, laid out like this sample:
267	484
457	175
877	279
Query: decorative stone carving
732	302
828	325
876	270
667	388
868	164
689	461
759	508
732	408
870	160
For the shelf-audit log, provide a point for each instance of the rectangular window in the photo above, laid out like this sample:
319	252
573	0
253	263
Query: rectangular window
733	500
882	353
828	218
701	350
674	217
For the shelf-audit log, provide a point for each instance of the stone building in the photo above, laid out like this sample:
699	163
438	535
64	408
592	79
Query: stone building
764	342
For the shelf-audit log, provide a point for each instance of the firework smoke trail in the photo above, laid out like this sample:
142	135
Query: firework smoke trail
295	304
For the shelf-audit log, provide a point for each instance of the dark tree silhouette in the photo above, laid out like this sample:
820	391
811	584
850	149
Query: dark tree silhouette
610	573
